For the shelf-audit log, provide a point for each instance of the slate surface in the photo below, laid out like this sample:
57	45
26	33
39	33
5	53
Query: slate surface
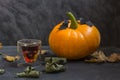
77	70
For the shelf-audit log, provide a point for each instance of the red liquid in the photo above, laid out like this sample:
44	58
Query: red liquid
30	53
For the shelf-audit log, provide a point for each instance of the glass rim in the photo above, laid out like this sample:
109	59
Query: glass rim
26	42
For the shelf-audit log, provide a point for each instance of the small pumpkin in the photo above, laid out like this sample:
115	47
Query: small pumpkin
75	40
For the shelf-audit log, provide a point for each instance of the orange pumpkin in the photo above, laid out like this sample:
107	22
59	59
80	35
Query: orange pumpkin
75	41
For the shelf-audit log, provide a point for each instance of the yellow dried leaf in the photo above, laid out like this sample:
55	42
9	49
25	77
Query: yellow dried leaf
11	58
0	45
114	57
97	56
44	51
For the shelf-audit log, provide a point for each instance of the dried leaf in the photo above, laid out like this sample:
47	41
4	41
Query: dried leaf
11	58
102	56
44	51
56	60
114	57
2	71
97	56
0	45
29	72
54	67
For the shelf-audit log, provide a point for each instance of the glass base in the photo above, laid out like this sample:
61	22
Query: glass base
23	64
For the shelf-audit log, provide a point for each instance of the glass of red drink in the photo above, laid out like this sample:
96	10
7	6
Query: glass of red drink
30	49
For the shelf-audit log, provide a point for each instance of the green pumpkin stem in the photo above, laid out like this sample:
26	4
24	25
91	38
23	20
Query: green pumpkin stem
74	23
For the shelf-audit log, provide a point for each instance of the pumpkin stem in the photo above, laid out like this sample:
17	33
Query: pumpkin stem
74	23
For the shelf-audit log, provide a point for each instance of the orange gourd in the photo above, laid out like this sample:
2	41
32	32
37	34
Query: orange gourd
75	41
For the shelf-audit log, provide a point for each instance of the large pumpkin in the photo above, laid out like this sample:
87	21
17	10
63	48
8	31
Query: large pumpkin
75	41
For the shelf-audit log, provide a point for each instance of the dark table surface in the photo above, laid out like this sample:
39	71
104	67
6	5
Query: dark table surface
75	70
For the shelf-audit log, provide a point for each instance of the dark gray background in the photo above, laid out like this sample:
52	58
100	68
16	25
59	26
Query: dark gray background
36	18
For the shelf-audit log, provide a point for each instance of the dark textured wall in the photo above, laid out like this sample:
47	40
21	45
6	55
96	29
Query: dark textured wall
36	18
